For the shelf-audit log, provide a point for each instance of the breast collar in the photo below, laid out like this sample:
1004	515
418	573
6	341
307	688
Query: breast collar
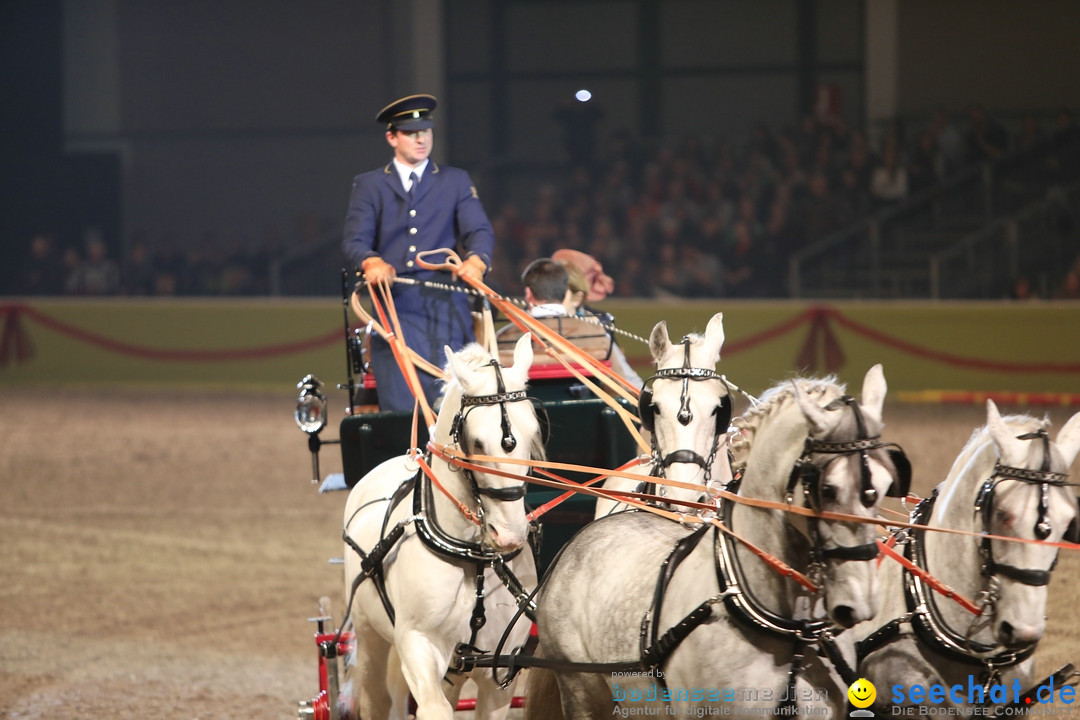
740	601
926	620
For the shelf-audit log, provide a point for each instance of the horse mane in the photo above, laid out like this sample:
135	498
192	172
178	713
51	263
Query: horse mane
769	403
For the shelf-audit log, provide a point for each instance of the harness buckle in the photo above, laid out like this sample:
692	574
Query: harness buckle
985	601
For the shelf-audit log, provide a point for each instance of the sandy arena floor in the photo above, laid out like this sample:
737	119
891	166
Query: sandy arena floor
162	551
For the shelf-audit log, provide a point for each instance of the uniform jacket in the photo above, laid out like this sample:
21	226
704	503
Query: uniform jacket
446	214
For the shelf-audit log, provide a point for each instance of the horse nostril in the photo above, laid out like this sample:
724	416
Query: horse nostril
844	615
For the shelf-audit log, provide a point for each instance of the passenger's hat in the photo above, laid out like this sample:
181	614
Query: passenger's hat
408	113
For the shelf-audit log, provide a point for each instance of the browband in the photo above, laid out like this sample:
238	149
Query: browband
512	396
1035	476
691	373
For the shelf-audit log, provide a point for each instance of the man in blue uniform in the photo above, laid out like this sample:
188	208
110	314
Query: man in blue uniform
409	206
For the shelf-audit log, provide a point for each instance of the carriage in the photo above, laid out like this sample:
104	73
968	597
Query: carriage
820	424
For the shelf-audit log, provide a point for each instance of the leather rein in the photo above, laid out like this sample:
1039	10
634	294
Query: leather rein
922	610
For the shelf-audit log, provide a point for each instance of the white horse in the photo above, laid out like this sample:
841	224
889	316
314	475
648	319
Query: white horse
685	407
661	614
1008	481
443	572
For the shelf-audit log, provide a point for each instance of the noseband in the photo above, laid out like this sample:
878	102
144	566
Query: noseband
984	503
508	443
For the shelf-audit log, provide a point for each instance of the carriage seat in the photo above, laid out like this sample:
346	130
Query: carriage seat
588	336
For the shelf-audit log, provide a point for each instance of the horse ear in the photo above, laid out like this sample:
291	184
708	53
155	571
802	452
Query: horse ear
1009	448
1068	440
659	343
818	418
714	335
523	357
873	392
452	363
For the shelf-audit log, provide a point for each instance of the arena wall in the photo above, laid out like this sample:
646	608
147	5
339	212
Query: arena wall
926	348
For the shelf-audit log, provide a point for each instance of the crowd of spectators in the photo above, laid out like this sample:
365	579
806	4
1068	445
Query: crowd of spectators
711	218
701	217
208	268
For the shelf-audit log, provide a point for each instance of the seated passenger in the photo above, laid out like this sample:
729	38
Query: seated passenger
551	298
546	289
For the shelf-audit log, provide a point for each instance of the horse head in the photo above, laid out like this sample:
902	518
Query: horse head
495	419
1025	497
687	406
845	468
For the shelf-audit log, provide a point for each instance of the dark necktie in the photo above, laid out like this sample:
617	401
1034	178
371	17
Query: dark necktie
412	188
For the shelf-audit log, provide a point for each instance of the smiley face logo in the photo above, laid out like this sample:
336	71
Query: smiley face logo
862	693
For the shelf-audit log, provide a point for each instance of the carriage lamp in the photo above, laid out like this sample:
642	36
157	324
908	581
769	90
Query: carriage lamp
310	417
310	412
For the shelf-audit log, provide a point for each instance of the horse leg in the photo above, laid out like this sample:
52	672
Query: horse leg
396	686
492	701
424	664
453	685
365	689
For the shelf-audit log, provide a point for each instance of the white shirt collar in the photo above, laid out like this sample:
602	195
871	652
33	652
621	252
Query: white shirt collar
403	171
548	310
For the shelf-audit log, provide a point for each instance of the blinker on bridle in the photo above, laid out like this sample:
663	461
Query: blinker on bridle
685	416
810	474
509	442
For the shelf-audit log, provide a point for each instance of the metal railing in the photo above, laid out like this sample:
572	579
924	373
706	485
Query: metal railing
986	263
891	254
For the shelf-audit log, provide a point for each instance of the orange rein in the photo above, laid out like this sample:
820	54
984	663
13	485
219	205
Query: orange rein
416	359
556	346
929	579
629	498
389	318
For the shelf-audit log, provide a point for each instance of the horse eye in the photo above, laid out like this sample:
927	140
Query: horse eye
828	493
1004	517
478	447
656	409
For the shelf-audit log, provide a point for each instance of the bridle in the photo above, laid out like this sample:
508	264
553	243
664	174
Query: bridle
922	609
508	442
1044	477
741	602
685	416
808	473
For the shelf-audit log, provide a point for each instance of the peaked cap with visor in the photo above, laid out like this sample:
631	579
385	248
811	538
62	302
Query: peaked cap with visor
409	113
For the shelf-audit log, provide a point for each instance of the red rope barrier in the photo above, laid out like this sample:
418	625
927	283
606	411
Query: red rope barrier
15	343
15	311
